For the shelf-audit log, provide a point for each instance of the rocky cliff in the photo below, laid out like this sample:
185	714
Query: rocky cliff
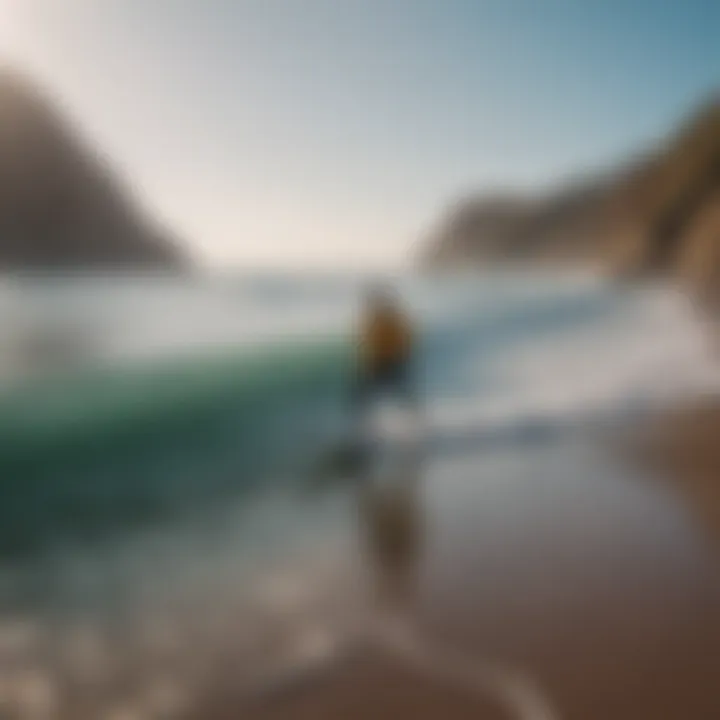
61	206
659	213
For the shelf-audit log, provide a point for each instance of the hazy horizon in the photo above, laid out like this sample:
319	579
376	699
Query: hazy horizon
321	133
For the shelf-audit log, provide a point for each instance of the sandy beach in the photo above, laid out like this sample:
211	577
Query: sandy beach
683	449
594	593
548	579
549	551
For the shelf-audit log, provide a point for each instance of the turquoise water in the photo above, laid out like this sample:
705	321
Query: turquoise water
99	452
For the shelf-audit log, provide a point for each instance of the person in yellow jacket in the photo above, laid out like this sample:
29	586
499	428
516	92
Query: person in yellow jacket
386	346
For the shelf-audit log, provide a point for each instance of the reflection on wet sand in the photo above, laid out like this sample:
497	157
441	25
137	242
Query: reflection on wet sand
392	526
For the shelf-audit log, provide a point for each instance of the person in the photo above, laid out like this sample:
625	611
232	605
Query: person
386	352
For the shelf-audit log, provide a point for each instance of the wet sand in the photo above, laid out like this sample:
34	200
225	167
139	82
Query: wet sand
369	685
683	447
546	581
550	579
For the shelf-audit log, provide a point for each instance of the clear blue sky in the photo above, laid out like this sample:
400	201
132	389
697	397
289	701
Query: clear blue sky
336	131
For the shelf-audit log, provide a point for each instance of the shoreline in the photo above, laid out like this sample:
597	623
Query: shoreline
601	591
564	569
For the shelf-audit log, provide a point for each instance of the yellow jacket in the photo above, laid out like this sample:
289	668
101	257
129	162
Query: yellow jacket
386	337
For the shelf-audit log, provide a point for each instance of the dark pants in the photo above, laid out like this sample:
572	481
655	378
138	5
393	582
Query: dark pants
389	379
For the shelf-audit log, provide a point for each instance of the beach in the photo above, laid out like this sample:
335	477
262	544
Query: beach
546	549
359	360
597	597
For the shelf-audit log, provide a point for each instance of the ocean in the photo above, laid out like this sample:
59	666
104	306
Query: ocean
159	439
